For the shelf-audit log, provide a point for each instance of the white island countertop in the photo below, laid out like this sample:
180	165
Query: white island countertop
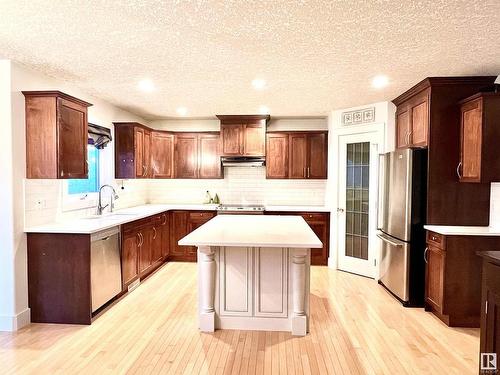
463	230
254	231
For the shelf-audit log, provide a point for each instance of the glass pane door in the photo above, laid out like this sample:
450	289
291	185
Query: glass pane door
357	200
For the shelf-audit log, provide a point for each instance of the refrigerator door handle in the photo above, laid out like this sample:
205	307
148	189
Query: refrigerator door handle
389	241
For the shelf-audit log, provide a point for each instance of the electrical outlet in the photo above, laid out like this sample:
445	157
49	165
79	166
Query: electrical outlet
40	204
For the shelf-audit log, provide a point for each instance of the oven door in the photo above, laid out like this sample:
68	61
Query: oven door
394	265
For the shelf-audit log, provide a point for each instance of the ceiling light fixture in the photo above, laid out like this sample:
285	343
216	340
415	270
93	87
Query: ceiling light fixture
259	83
380	81
182	111
263	110
146	85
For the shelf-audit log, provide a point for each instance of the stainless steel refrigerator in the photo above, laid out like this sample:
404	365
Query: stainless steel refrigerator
401	217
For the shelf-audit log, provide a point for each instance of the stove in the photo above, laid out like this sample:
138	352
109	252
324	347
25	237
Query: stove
242	209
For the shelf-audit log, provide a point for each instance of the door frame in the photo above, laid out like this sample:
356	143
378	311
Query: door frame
379	131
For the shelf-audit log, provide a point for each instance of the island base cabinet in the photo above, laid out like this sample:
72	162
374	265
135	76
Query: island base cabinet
254	288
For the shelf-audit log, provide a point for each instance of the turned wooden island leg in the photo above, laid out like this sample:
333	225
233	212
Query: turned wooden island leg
206	267
298	276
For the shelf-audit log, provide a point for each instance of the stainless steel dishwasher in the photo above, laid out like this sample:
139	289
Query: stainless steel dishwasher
105	266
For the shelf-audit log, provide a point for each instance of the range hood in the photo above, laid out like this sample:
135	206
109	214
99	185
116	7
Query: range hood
243	161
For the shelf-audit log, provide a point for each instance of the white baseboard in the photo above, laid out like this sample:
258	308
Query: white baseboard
16	322
332	263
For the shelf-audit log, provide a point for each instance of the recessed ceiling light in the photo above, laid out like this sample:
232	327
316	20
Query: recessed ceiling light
263	110
259	83
182	111
146	85
380	81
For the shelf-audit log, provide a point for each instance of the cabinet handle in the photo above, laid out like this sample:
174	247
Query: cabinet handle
426	259
164	219
142	239
143	170
138	239
154	235
308	172
458	170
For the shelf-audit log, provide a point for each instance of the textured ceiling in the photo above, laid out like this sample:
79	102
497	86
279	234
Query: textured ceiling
315	55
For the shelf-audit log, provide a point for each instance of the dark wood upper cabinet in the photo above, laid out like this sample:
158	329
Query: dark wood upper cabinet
162	149
428	115
243	135
297	155
209	163
232	136
133	142
277	155
186	156
56	135
412	121
197	155
479	138
317	155
297	150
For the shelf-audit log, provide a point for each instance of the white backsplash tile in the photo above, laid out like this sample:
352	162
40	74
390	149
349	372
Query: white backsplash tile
44	203
495	205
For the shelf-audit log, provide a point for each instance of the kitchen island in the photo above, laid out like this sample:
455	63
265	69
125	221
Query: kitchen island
253	272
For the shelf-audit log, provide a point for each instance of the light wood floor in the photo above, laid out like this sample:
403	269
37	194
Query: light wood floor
356	328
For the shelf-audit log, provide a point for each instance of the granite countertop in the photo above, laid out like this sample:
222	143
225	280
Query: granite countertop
463	230
93	224
254	231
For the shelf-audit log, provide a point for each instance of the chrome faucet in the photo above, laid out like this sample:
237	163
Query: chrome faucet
100	207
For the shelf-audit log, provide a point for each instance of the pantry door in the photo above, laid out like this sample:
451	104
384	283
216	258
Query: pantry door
356	208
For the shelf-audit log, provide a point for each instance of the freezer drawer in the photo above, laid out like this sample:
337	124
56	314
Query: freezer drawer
394	265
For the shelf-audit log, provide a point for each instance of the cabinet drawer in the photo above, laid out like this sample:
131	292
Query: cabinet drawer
309	216
436	239
201	215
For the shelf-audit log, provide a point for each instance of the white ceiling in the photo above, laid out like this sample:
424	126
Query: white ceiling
315	55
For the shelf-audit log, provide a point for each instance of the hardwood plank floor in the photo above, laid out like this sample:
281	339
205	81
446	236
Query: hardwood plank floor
356	328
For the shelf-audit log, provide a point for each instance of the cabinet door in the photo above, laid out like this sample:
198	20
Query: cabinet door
471	141
232	137
186	156
165	235
434	277
209	156
130	251
162	150
140	167
196	220
72	139
147	154
318	155
277	155
420	121
178	229
297	156
145	248
319	257
403	127
254	140
156	242
490	310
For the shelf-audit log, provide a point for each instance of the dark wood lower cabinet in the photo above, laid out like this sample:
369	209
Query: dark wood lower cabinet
320	224
181	224
59	278
453	282
490	304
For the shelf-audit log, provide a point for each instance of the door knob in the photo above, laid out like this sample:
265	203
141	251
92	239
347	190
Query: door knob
340	210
